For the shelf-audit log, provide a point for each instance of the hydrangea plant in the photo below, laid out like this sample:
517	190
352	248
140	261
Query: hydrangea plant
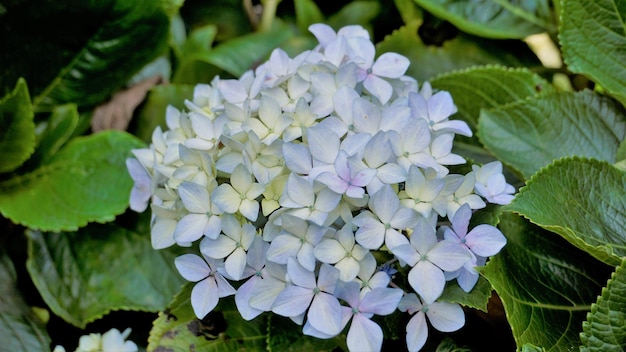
322	188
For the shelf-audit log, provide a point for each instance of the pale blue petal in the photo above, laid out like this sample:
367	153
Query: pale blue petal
292	301
485	240
371	234
449	255
282	248
190	228
299	275
265	292
407	253
384	203
218	248
440	106
249	209
204	297
327	278
427	280
194	197
306	256
213	227
323	144
236	263
461	219
381	301
446	317
348	268
327	200
364	335
192	267
297	158
416	332
379	88
325	314
242	298
226	198
329	251
390	65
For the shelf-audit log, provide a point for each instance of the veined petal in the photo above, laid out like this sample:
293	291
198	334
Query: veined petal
378	87
162	233
407	253
449	255
236	263
325	314
371	235
485	240
292	301
194	197
348	268
249	209
306	256
190	228
440	106
427	280
416	332
364	334
218	248
282	248
226	198
192	267
204	297
390	65
330	251
446	317
381	301
242	298
297	158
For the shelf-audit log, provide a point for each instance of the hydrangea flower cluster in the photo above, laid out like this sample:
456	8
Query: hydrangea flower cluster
293	176
111	341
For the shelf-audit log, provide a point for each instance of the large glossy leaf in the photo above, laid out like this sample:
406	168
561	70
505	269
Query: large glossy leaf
477	298
604	329
546	285
593	37
495	18
60	127
461	52
584	201
355	12
90	48
307	13
85	181
17	135
20	329
530	134
86	274
487	87
234	56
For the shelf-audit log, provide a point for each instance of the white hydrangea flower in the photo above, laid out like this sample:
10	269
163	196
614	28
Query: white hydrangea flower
302	174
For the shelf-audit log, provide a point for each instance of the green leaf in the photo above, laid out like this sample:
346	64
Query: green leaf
85	181
593	38
530	134
153	112
20	328
458	53
604	329
583	201
235	56
283	335
307	13
60	127
91	48
17	135
477	298
355	12
177	328
546	285
487	87
498	19
448	345
86	274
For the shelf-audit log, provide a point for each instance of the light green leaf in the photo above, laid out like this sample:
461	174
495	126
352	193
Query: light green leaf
460	52
88	169
177	329
621	151
20	328
499	19
546	285
477	298
17	135
59	129
234	56
593	38
91	47
153	111
307	13
487	87
530	134
583	201
86	274
604	329
355	12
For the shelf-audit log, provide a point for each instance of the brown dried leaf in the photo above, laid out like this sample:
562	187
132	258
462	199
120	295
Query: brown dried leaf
117	112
